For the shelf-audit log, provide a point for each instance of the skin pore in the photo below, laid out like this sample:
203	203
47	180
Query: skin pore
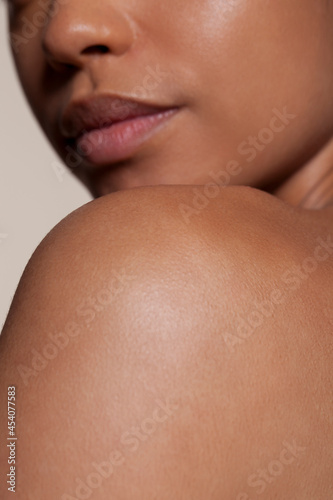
233	417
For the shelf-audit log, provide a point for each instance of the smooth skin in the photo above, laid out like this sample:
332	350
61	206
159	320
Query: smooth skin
191	332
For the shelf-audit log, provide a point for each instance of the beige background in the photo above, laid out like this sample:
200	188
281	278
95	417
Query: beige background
32	197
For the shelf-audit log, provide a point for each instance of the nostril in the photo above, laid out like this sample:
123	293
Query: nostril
61	65
96	49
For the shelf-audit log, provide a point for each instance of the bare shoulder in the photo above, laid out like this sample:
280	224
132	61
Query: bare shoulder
144	227
230	248
171	335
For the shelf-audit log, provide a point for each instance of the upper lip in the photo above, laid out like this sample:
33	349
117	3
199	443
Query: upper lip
102	111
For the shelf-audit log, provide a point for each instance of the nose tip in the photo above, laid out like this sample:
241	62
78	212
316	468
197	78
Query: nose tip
79	31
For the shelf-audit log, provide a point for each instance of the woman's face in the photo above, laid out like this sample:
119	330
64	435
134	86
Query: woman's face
250	83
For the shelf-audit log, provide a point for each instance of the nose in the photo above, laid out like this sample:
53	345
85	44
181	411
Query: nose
81	29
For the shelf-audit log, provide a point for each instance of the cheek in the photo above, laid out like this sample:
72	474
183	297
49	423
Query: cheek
258	55
245	63
25	41
27	25
36	80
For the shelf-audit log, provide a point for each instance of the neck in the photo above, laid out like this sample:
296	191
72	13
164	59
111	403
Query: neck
311	187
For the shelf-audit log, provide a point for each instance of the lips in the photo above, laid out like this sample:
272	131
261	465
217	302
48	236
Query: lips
107	129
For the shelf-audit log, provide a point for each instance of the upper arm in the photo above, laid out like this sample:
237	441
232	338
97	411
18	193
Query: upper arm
116	344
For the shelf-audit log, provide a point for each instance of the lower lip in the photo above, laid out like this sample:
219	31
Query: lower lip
119	141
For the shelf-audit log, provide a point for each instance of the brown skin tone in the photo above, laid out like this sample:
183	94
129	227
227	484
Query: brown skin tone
228	64
187	284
